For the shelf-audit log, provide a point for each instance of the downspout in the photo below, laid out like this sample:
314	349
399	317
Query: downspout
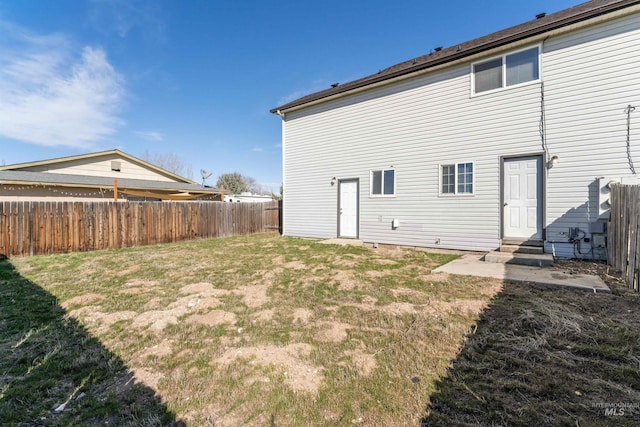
545	147
543	116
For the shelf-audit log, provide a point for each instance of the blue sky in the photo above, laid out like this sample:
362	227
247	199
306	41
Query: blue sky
197	78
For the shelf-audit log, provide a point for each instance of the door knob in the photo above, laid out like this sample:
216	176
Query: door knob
506	204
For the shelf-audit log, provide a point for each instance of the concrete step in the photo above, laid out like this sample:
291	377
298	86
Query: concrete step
537	260
523	242
521	249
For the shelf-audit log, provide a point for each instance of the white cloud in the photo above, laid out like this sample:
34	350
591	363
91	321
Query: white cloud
151	135
55	94
123	16
278	145
257	149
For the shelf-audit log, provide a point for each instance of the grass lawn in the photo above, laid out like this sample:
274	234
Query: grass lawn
265	330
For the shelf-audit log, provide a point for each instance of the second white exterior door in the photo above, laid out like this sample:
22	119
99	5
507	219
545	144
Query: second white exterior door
522	198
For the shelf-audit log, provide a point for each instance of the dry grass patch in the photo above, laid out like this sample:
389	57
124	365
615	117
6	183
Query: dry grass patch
265	330
546	357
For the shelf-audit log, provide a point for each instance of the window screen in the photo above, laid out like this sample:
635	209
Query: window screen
522	66
488	75
448	179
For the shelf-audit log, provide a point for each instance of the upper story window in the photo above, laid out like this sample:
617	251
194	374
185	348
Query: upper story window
507	70
383	182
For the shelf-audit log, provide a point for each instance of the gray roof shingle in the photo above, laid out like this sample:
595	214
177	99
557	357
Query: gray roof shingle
528	29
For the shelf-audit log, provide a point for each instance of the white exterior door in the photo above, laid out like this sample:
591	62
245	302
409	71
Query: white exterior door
348	209
522	194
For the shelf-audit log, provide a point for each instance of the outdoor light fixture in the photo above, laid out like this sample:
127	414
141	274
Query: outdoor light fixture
553	161
333	181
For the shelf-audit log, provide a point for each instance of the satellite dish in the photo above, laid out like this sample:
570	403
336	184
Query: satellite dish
204	175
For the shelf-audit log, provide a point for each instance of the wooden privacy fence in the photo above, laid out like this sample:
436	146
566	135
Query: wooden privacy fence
33	228
623	241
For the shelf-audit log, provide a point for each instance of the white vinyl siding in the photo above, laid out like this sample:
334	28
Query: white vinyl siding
591	75
431	120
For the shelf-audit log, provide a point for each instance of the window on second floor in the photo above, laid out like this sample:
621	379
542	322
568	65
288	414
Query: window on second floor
507	70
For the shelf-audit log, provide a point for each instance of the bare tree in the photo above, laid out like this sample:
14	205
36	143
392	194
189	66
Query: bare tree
169	161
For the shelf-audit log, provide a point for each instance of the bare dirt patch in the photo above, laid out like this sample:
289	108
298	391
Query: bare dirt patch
295	265
141	283
162	349
133	291
97	320
397	308
129	270
213	318
253	295
346	280
203	289
398	292
156	320
263	316
348	262
266	276
302	315
365	363
89	298
332	332
299	374
375	274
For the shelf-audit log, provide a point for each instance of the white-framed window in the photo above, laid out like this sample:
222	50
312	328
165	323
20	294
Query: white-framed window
383	182
456	179
515	68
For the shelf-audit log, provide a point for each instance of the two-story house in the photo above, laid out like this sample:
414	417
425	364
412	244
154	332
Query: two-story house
509	137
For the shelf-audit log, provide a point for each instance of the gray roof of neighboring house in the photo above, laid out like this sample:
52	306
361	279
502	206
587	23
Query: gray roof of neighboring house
528	29
35	178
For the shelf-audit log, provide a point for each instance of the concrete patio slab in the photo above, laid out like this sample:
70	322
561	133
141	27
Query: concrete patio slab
472	265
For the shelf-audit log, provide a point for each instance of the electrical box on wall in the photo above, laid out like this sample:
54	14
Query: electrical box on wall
395	223
599	241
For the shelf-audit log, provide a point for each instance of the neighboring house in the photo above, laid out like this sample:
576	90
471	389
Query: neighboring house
505	137
94	177
247	197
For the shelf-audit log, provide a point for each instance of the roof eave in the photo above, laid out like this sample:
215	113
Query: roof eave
535	32
99	186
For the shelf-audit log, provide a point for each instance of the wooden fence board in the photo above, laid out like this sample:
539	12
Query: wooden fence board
623	233
34	228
